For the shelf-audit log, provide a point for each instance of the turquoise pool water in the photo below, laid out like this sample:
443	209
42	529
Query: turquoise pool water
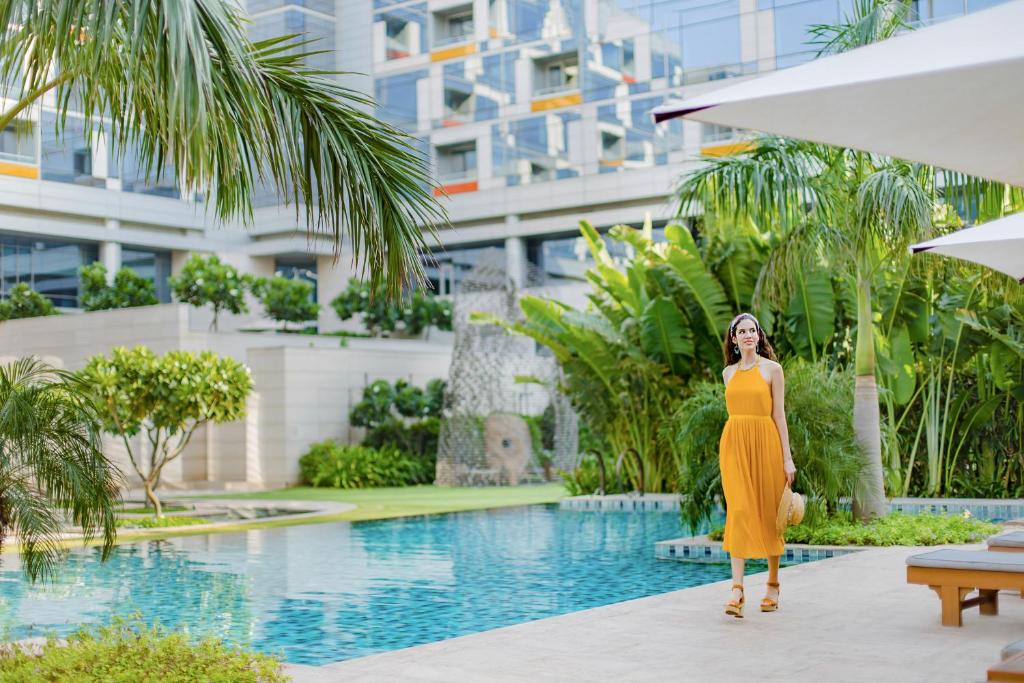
323	593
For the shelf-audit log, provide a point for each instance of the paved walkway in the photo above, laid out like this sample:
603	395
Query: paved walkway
851	618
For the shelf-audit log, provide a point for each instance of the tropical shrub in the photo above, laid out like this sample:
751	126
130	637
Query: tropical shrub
131	651
585	479
381	315
52	465
818	413
208	280
896	528
168	398
128	290
417	438
159	522
24	302
287	300
333	465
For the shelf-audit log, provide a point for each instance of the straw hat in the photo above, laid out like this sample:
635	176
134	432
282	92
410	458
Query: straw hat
791	510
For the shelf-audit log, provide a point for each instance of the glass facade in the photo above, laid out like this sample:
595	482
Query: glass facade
49	267
536	86
445	268
155	266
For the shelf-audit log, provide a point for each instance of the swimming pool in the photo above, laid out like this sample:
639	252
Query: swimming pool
326	592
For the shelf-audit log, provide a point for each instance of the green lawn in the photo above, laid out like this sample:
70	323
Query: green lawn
414	500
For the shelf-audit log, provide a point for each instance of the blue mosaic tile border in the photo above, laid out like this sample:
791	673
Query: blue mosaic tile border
655	502
701	549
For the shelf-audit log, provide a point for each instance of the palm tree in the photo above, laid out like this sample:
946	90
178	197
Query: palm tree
838	207
180	83
51	465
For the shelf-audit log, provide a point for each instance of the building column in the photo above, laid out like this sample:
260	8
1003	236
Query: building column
331	279
110	251
515	254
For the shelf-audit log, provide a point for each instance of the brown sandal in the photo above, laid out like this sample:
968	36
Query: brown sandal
735	607
768	604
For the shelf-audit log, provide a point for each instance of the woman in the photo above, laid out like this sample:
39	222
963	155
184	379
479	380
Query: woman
754	456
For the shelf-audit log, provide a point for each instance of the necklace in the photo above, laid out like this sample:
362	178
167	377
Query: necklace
754	364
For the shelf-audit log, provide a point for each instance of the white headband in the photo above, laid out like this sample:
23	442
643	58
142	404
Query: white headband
741	316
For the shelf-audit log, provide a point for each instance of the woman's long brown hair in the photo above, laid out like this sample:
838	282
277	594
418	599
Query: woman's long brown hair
764	347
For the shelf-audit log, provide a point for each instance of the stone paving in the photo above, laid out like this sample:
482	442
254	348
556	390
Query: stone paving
850	618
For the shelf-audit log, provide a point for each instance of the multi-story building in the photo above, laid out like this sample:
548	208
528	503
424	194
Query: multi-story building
534	114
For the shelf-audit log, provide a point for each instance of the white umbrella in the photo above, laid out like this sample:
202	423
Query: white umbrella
950	95
998	245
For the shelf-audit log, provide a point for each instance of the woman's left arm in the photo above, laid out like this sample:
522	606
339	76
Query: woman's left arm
779	415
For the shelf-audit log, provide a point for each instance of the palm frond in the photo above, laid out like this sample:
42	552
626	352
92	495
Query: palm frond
180	87
869	21
51	464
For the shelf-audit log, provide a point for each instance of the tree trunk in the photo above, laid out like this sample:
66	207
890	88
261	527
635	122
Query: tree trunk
152	498
869	494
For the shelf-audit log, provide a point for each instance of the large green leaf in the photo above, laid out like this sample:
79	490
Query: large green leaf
904	379
813	311
664	334
706	293
680	236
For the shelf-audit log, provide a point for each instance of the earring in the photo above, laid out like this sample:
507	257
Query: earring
737	348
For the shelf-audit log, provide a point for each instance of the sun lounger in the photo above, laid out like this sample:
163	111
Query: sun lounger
1012	542
953	574
1011	668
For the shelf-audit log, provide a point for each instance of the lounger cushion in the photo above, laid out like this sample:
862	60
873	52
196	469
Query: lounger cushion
1013	649
1014	539
969	559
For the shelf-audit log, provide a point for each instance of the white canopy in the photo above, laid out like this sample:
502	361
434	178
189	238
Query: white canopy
998	245
951	95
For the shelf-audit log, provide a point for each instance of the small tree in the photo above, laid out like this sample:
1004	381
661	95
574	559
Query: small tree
24	302
168	398
412	313
210	281
287	300
128	290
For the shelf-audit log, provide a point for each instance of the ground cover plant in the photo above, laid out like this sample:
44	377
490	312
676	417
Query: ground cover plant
896	528
129	651
159	522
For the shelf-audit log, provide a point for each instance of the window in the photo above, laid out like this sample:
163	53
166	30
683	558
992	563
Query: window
68	158
49	267
155	266
397	100
556	74
453	26
446	268
711	132
456	162
612	146
18	142
458	105
400	33
297	268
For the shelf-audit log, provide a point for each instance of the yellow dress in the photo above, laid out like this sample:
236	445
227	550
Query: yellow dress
750	458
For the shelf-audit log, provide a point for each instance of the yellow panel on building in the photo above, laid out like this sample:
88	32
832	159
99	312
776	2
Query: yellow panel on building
19	170
727	149
556	102
453	52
